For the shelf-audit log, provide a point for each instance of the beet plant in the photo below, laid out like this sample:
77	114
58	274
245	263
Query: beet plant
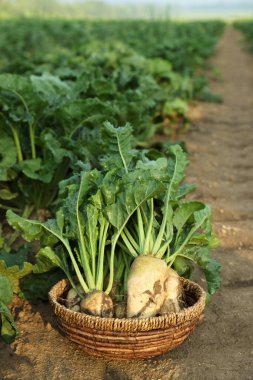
125	225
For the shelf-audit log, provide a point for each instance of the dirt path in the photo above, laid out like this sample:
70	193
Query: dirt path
221	155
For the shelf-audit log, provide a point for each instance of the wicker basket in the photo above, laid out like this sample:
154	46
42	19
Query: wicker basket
129	338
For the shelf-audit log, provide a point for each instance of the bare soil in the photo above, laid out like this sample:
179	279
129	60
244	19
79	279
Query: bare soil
221	157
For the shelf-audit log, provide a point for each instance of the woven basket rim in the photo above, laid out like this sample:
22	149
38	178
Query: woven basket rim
128	324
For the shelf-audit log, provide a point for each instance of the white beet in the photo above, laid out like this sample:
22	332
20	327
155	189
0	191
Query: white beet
173	289
75	308
72	298
72	294
120	310
146	287
97	303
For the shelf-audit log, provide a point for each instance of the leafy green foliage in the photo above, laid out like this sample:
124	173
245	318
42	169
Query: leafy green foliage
36	287
246	27
7	159
5	290
133	203
51	122
73	228
37	158
55	95
15	273
119	145
152	220
8	330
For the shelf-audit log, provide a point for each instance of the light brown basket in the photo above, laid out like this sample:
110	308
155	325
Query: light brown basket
128	338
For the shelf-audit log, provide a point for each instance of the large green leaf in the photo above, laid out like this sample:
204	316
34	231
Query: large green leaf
14	273
5	290
31	168
48	232
35	287
8	332
119	144
8	157
50	88
184	212
54	155
176	169
20	99
30	230
6	194
198	220
76	193
12	258
17	83
53	144
47	259
90	112
136	188
194	240
211	268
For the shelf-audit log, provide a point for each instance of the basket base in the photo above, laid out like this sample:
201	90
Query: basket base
128	339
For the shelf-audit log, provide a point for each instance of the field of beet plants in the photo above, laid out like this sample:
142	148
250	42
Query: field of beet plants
92	166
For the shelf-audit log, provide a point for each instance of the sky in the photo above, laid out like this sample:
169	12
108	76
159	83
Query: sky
179	8
178	2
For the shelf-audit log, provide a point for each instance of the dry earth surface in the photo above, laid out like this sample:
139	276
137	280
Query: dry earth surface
221	156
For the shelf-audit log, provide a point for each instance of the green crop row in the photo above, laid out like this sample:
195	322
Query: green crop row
247	28
59	82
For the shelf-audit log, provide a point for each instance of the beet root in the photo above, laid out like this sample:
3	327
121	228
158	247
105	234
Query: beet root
97	303
146	287
173	289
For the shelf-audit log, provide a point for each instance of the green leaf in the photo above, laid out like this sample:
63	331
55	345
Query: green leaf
8	157
48	233
14	273
175	107
103	87
35	287
8	331
53	145
136	188
50	88
183	266
194	241
47	259
176	168
6	292
200	219
31	167
30	230
119	144
211	268
12	258
76	194
185	190
90	221
90	112
208	240
15	83
176	171
184	212
7	195
20	98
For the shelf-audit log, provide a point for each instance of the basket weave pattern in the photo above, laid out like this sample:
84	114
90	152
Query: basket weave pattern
128	338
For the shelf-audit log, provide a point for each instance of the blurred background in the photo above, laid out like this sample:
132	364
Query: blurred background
144	9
